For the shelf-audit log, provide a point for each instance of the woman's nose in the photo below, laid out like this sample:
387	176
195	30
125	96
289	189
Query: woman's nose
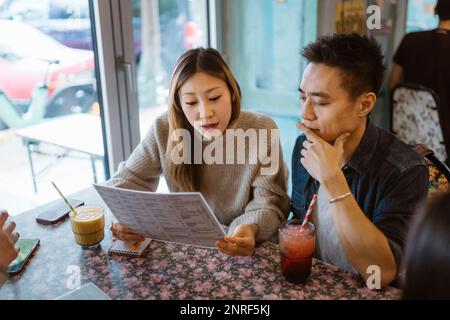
205	111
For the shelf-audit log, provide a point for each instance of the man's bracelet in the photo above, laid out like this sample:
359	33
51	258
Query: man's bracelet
340	197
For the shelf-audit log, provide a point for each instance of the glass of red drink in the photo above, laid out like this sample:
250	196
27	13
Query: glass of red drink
296	250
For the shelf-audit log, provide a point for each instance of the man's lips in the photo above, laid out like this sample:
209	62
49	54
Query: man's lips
210	126
310	126
313	129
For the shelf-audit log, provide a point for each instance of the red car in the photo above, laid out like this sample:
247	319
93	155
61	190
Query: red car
29	57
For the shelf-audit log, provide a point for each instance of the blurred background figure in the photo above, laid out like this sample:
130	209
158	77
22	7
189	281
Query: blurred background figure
426	269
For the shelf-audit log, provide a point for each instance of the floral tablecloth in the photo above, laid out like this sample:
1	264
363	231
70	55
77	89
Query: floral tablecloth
169	271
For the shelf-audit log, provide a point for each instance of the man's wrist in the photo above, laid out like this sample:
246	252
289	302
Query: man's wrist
335	185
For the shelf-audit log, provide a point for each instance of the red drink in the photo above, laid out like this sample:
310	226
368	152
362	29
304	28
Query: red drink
296	250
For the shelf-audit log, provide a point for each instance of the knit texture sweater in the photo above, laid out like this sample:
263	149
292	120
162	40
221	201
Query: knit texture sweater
237	193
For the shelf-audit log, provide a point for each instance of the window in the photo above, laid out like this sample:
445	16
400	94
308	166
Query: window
163	31
50	127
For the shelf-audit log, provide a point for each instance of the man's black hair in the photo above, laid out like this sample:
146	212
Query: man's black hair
359	58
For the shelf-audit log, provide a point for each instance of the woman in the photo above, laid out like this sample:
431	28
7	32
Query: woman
204	102
427	256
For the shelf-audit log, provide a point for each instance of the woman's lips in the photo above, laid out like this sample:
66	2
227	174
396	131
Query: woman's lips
210	126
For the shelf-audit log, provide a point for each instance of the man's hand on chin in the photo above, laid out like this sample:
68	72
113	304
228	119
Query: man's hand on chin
322	160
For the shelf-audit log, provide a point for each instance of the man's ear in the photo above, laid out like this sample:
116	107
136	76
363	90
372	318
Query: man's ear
366	103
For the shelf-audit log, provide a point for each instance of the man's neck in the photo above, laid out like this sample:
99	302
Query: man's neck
353	141
444	24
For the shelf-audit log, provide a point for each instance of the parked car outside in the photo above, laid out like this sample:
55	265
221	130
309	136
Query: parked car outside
29	57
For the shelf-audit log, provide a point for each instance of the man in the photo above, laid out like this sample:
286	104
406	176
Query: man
423	58
368	182
7	240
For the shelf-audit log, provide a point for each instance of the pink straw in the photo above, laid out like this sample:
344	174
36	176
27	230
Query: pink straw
308	213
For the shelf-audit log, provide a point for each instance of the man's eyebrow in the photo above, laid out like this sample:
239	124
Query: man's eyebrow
207	91
316	94
320	95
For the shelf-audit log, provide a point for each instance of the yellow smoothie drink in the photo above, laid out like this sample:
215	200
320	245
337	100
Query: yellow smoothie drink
88	226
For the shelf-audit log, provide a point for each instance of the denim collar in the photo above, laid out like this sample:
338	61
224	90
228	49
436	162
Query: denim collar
362	158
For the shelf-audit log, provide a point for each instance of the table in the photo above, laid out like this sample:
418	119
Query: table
170	271
79	132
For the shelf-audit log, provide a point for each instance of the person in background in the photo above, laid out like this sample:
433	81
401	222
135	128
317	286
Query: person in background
423	59
368	182
8	239
426	268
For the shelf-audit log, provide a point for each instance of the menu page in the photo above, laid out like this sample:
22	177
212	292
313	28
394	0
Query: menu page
182	218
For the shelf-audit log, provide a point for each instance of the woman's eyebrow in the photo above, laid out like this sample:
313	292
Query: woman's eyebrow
207	91
211	89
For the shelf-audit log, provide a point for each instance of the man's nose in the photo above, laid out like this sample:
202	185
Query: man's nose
308	111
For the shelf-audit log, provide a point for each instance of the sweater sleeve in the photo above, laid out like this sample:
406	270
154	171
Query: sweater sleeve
269	204
143	168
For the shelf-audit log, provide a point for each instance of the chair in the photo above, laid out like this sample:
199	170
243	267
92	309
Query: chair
415	118
439	173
